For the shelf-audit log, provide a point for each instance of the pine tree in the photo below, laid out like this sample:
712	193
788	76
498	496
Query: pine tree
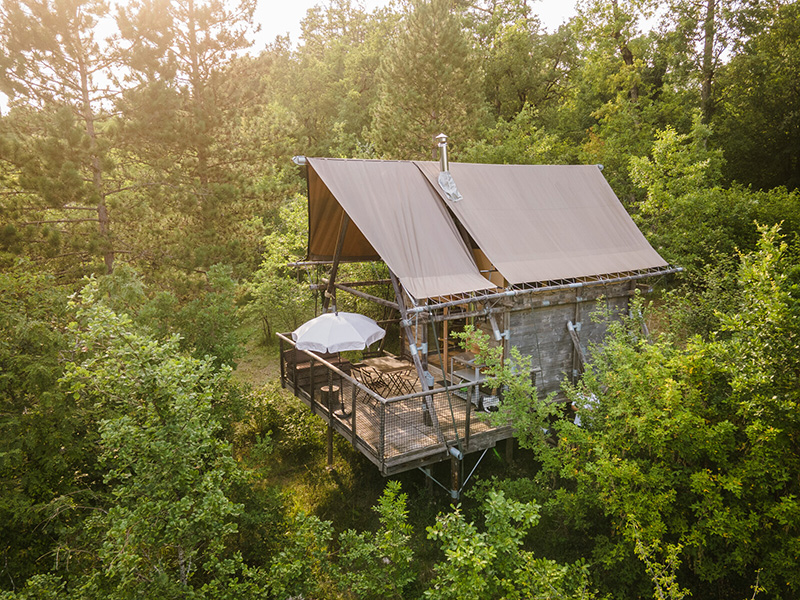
58	74
430	83
184	121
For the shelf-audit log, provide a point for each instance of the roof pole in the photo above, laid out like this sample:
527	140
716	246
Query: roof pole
331	290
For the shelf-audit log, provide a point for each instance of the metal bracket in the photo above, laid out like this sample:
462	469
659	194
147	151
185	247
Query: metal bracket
429	379
498	335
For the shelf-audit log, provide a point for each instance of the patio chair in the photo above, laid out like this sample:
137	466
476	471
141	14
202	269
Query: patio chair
371	378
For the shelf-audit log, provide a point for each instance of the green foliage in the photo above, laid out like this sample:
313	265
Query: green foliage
38	587
49	478
492	564
379	565
521	404
303	566
273	424
662	574
416	103
55	145
694	306
695	223
757	115
680	165
522	64
696	445
167	470
301	433
277	296
210	323
683	474
263	415
519	141
688	216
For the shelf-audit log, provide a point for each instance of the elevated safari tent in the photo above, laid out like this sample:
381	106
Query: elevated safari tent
521	251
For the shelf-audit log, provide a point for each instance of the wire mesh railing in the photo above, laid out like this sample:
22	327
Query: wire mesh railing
391	430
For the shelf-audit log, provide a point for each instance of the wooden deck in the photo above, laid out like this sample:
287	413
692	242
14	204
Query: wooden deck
395	433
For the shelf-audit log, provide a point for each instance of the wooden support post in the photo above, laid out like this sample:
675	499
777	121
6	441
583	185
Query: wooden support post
510	450
329	440
444	351
506	339
329	403
428	481
424	357
294	369
365	296
417	363
580	358
283	363
382	441
455	479
336	258
467	423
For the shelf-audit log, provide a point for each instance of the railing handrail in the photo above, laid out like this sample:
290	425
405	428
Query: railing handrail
373	394
332	367
440	390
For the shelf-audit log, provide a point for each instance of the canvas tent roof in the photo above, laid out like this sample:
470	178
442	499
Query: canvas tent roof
533	222
547	222
399	218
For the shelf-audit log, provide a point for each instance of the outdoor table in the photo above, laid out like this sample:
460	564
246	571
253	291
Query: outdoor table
394	373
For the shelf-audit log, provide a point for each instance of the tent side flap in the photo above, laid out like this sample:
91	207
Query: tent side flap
399	216
324	219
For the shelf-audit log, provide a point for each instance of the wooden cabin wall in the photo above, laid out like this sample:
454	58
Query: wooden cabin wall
537	325
538	328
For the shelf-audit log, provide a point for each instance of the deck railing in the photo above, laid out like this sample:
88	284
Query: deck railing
397	433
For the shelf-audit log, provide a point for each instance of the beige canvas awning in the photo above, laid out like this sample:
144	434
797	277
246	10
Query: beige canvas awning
398	217
546	222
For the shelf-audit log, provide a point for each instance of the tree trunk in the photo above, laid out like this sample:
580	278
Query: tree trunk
627	55
198	99
97	169
707	75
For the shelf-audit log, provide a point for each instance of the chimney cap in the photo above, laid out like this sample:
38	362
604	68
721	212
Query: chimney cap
442	138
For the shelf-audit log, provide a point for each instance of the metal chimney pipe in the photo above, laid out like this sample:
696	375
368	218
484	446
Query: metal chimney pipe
444	163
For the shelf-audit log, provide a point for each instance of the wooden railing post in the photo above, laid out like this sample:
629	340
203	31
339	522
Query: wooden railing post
294	369
382	442
467	423
283	364
311	384
353	413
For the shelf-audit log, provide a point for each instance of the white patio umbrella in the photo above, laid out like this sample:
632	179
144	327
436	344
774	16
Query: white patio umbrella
337	332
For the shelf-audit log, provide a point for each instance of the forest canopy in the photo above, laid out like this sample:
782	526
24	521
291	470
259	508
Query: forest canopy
149	208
